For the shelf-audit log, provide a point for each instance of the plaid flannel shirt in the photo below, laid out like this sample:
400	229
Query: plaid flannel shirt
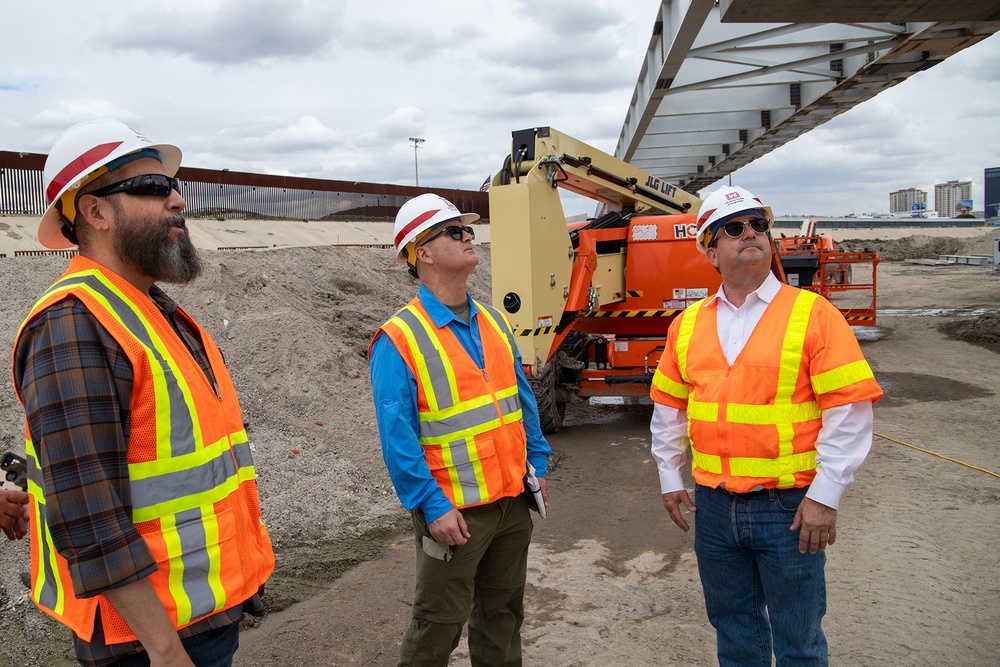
76	383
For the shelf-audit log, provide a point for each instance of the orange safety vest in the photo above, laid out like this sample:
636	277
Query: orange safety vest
755	423
470	417
192	479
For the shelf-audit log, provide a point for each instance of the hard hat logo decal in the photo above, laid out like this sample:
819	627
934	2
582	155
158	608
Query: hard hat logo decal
730	196
139	135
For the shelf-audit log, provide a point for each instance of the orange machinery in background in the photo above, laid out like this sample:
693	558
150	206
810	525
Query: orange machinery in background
591	302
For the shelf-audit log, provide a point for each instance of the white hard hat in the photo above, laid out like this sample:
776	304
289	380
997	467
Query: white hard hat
725	203
80	154
420	214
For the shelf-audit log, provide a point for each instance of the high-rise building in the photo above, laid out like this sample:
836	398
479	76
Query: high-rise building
947	195
902	201
991	204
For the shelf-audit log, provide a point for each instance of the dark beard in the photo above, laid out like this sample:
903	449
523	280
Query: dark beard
144	244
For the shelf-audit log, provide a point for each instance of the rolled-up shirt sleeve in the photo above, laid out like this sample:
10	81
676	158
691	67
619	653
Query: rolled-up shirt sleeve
76	385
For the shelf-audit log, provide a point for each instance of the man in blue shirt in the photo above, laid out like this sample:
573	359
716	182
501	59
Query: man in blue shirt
459	429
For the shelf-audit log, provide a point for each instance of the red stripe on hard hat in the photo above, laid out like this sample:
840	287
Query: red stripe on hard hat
705	215
413	223
78	168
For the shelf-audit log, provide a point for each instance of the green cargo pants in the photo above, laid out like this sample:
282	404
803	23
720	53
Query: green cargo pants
482	583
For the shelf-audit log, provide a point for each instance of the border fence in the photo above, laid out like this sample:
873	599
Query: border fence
241	195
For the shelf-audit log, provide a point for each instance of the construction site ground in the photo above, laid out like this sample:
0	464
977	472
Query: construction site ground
913	577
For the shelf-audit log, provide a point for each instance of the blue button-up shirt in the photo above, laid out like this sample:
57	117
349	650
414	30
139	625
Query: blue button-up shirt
395	392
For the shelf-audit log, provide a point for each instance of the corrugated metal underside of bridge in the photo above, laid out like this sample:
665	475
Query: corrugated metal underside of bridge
725	83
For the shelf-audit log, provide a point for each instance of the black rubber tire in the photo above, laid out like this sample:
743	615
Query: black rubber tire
550	410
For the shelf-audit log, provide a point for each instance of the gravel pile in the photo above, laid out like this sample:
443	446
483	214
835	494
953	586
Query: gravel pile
294	325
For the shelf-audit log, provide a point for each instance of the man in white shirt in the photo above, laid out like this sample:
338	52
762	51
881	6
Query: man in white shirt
768	386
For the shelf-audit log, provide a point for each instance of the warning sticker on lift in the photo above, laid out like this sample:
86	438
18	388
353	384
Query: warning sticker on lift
644	232
544	322
621	346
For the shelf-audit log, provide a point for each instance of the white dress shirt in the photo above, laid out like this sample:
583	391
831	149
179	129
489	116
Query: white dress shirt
844	438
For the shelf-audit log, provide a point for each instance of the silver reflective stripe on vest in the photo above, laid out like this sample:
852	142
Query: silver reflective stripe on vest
243	455
151	491
196	564
463	467
432	357
48	597
476	418
181	425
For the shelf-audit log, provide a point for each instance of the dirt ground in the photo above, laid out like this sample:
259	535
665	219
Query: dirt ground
912	578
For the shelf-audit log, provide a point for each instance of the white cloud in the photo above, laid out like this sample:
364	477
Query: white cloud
228	32
334	89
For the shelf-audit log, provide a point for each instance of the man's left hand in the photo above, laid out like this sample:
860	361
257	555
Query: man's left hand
543	486
818	525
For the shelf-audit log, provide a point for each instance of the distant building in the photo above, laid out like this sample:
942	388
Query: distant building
991	207
948	195
902	201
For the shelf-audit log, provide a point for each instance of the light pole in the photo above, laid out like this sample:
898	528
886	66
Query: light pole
416	172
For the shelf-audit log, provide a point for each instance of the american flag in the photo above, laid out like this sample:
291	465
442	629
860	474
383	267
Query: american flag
485	187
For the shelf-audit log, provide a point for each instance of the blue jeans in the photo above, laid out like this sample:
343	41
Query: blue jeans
212	648
761	594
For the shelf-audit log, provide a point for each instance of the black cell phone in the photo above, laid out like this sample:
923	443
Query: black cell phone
15	469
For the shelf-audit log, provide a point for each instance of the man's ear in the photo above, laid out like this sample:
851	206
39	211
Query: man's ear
712	256
93	211
423	254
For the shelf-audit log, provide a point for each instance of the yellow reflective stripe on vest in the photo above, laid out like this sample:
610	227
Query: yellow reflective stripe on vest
783	414
669	387
185	477
450	423
838	378
707	462
177	428
185	482
703	412
684	336
737	413
469	488
187	536
792	347
47	589
437	376
494	317
781	468
470	418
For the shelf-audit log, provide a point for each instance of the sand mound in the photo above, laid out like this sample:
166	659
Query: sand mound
923	247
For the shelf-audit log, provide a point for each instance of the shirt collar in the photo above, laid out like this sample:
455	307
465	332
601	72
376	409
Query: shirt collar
765	292
441	314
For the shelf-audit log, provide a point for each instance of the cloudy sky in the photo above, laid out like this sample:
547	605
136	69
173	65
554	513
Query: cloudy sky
334	89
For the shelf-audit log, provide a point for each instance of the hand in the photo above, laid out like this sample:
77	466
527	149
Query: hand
818	526
543	486
141	608
673	501
449	529
14	513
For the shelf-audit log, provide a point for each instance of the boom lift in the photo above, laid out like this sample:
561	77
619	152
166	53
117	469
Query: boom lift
590	303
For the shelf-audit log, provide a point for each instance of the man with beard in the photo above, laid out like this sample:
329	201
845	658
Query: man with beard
768	386
146	537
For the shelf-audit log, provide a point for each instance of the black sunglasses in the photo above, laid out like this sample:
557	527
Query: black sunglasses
735	228
455	231
151	185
